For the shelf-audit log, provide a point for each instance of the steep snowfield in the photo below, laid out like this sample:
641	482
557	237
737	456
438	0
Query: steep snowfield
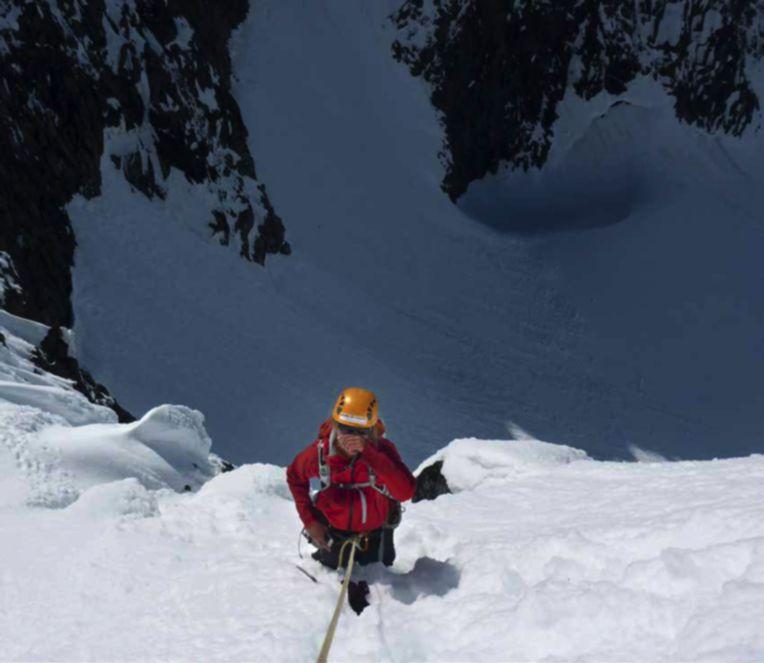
644	333
540	554
668	297
118	542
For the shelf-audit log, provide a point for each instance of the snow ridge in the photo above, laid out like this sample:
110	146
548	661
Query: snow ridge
148	86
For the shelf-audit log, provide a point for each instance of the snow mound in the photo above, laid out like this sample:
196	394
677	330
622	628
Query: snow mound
122	498
257	478
176	433
470	462
167	448
561	557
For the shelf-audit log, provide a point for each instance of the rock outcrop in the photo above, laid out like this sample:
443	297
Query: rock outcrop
52	355
430	483
153	77
498	69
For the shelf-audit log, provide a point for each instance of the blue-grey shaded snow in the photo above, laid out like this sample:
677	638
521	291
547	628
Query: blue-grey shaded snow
646	332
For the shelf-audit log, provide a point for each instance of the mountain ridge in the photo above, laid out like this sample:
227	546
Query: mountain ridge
498	70
155	74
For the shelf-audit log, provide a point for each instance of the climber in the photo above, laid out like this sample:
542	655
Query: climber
362	482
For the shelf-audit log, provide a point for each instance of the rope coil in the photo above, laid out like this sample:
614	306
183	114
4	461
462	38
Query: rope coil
354	543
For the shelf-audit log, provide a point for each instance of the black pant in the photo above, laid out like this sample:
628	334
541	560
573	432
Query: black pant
379	548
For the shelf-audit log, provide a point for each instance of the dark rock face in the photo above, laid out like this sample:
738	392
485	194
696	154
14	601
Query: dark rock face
153	77
499	68
430	483
53	356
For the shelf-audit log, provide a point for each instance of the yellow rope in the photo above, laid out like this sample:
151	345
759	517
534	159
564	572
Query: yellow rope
324	653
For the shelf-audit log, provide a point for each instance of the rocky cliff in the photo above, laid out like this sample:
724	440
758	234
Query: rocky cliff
498	69
145	83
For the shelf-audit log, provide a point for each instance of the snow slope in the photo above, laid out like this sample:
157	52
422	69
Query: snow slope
55	444
646	333
667	290
540	554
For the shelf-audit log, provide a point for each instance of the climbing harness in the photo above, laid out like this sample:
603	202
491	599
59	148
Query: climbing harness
355	543
324	476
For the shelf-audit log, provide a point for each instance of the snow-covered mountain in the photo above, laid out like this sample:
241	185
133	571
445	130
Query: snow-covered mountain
635	129
504	216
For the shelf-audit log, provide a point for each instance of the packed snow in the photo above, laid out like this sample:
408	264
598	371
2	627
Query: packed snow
539	554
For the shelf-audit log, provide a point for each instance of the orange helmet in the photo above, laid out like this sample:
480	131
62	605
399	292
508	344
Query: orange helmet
357	408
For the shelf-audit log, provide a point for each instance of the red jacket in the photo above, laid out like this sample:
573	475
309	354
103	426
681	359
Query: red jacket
344	507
